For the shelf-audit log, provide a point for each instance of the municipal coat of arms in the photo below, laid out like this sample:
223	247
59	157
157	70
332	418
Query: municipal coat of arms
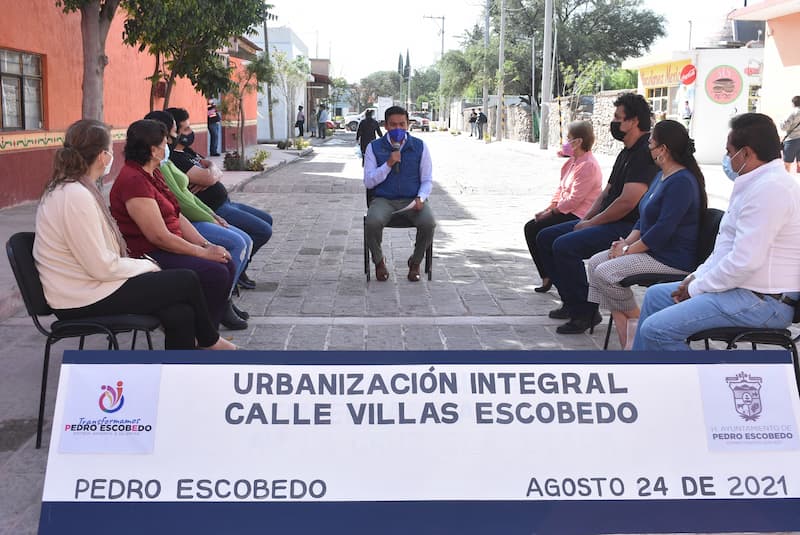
746	395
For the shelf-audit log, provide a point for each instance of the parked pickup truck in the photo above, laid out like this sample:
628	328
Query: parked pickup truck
351	122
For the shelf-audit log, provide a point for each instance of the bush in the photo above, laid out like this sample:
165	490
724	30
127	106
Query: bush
301	143
256	163
233	162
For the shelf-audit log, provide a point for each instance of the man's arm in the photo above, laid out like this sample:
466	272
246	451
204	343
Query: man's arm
425	174
374	175
632	193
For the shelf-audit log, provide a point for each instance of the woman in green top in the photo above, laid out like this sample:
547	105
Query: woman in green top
211	226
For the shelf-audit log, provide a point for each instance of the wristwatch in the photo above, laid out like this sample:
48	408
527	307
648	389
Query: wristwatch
625	249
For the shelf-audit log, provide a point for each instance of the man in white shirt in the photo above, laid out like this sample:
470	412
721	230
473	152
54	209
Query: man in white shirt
752	278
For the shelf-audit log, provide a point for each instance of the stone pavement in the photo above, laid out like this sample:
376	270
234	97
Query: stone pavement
311	290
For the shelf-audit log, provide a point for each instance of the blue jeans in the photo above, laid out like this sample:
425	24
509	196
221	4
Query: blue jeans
214	137
665	326
561	253
236	241
256	223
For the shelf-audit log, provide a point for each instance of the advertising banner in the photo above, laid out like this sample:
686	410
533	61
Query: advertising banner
426	442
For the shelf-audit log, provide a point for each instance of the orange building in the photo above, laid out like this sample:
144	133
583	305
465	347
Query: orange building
41	69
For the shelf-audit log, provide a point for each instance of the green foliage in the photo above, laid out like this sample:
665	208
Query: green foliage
583	79
187	34
338	89
379	84
621	79
256	163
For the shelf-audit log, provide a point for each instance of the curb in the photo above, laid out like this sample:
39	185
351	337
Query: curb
239	186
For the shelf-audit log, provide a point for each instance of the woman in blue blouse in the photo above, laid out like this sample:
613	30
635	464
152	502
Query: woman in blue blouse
664	240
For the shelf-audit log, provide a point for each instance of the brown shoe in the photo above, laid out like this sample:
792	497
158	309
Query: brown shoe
413	271
381	273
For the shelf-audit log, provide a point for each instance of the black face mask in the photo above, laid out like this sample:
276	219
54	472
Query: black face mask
616	132
186	140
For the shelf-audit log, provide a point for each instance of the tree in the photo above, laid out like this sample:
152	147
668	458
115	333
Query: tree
380	84
587	30
189	48
426	85
96	17
339	88
289	75
247	80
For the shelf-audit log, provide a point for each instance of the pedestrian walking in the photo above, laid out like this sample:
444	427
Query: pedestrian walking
322	118
791	141
480	121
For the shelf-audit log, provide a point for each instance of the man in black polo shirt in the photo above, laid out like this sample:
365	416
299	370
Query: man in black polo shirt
564	247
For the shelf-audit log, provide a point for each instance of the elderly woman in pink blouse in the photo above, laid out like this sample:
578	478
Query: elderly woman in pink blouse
581	181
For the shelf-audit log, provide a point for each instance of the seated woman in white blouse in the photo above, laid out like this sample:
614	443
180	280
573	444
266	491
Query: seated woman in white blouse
82	258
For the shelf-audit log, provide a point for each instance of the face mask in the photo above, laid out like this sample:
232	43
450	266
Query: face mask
567	150
186	140
726	166
166	154
397	135
107	168
616	131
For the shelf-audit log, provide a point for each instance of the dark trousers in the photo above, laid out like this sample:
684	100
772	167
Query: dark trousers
216	278
533	227
173	295
300	128
562	251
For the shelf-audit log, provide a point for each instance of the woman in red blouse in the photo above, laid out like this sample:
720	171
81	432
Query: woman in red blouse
149	218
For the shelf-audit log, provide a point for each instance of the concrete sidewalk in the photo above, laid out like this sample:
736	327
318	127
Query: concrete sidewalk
21	218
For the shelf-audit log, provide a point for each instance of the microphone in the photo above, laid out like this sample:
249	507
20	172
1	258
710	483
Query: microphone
396	137
396	148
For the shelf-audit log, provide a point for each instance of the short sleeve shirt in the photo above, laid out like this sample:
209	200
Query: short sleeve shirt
214	196
134	182
633	165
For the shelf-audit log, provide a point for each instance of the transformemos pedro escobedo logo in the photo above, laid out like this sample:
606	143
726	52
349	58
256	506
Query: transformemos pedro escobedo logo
746	390
111	399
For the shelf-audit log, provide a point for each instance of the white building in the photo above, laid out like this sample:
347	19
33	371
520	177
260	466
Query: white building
286	41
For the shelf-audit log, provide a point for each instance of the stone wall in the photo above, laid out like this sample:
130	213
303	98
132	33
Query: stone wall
601	119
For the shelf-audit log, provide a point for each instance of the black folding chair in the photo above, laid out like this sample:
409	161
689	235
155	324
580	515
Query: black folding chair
709	227
754	336
19	249
397	221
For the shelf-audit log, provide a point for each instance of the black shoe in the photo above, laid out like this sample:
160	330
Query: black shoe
246	282
241	313
579	325
231	320
215	154
559	313
544	288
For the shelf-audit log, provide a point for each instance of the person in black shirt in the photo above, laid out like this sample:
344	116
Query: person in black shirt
564	247
214	128
367	130
204	179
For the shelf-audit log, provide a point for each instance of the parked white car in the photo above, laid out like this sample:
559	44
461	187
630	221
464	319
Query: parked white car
351	122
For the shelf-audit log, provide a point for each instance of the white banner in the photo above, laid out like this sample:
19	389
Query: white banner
400	432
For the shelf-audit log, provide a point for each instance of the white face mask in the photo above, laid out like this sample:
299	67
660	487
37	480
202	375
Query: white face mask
166	154
107	168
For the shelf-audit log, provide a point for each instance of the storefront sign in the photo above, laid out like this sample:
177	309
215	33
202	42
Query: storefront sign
664	75
723	84
688	74
426	443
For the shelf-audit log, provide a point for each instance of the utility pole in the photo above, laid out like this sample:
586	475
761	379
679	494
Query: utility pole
534	106
269	86
485	62
547	65
501	73
441	62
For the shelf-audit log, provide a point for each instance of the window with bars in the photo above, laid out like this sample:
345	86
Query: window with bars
20	90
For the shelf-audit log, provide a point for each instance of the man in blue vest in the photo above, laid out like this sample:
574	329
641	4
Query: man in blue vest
398	168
